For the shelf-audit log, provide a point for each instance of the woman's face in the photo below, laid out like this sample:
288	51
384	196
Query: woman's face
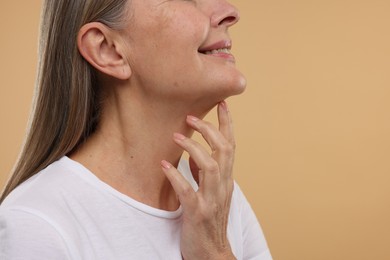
180	49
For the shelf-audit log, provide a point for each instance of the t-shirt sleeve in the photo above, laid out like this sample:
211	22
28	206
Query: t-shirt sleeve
254	244
26	236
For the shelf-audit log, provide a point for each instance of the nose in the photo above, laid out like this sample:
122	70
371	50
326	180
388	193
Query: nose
225	14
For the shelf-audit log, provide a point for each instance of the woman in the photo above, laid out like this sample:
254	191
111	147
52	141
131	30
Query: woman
122	86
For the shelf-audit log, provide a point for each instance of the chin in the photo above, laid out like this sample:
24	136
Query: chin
231	81
241	85
235	86
222	92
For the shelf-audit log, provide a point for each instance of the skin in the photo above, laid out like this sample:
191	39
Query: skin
157	87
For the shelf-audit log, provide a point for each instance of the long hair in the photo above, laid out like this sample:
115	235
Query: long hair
66	100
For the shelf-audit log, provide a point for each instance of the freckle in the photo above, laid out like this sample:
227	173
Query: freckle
132	157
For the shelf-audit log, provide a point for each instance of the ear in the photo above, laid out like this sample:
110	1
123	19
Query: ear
103	49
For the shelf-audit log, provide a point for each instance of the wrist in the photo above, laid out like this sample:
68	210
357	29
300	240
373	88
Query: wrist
225	255
229	256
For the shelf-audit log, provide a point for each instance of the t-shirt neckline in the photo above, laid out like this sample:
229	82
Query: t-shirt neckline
84	173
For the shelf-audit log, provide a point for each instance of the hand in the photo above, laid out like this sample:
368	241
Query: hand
206	212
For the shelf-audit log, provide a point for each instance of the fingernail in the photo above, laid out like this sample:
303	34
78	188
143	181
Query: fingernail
179	137
223	105
166	165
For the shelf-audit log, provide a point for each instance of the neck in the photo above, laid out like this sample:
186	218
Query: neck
127	148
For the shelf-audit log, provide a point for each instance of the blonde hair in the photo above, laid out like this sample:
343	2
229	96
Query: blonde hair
66	101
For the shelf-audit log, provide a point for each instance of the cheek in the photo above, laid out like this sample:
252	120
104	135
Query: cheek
165	61
184	29
169	52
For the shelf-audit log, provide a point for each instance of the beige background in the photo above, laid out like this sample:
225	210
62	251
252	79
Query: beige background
312	129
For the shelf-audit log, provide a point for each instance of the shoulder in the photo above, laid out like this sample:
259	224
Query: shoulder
19	239
43	199
245	229
37	213
45	188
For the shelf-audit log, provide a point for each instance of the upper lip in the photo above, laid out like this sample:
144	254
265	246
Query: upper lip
224	44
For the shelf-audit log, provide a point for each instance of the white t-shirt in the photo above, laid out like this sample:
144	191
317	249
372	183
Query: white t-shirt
66	212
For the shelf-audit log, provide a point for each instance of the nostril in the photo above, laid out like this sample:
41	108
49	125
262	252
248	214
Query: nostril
225	15
228	20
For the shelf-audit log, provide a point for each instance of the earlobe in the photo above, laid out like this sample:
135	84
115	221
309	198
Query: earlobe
99	47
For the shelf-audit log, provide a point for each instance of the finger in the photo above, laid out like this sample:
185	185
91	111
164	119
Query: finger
222	149
209	132
185	192
194	169
225	122
209	174
212	135
226	128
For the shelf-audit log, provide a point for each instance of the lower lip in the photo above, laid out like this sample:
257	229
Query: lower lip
223	55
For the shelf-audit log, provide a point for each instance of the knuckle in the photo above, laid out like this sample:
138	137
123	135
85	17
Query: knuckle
212	167
187	192
208	211
207	124
206	128
233	144
227	147
230	185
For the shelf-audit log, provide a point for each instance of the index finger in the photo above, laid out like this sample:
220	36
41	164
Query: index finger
225	122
